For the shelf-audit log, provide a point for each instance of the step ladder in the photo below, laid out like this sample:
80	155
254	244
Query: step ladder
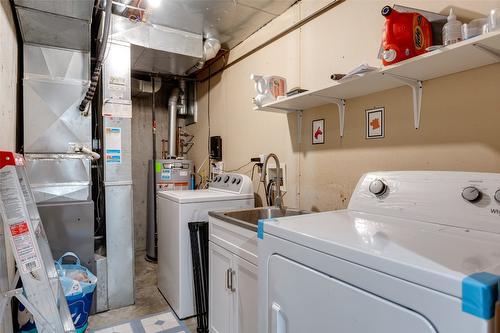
42	294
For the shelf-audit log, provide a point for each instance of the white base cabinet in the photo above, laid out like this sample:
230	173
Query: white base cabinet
233	281
232	292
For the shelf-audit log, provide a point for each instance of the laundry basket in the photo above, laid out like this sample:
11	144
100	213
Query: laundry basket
199	249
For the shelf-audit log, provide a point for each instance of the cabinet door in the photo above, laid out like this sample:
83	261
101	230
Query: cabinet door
220	297
245	285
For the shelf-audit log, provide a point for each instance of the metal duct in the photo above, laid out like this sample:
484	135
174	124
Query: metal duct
57	23
211	47
172	122
182	98
140	87
158	49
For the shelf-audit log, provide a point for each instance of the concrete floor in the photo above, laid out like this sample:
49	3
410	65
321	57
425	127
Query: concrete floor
148	299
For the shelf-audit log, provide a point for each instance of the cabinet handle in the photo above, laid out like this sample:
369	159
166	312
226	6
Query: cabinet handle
228	273
233	273
278	323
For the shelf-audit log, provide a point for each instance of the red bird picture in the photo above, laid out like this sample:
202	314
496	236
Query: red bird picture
318	133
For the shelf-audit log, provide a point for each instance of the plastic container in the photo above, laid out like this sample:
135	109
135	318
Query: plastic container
494	19
474	28
452	30
406	35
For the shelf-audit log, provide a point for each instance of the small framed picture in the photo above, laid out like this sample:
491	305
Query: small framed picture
375	122
318	131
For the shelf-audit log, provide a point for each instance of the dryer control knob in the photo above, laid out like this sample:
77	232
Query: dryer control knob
378	187
497	195
226	179
471	193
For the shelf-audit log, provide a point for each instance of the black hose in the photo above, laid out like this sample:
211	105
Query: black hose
100	57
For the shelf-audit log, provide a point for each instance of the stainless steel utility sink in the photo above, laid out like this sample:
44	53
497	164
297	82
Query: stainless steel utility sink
249	218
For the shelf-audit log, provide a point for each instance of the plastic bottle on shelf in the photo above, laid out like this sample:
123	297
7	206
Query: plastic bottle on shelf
452	30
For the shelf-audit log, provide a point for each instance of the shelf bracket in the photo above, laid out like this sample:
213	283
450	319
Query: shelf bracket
341	108
489	50
417	89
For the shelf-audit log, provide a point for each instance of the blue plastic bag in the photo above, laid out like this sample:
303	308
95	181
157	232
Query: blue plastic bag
78	284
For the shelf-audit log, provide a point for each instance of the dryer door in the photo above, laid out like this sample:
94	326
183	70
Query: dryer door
304	300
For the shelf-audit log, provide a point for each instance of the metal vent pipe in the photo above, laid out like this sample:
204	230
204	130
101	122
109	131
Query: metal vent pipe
172	122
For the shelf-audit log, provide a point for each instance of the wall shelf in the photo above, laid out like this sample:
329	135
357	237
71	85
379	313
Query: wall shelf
473	53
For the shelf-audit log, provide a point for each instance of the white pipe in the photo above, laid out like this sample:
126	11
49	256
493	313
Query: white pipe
172	122
95	156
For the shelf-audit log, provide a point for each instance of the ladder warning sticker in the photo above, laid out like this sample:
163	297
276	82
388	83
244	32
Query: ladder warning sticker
9	194
25	248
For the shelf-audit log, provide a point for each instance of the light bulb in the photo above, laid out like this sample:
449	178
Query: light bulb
154	3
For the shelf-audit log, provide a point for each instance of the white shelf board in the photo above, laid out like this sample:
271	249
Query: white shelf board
445	61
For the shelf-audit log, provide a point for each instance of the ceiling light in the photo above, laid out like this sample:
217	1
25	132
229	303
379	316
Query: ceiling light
154	3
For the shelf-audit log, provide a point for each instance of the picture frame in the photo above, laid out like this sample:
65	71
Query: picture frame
375	123
318	132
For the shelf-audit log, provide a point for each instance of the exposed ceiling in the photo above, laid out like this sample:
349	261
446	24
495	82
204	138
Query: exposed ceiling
167	39
231	21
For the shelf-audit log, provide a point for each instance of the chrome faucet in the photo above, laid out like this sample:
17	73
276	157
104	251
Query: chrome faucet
278	200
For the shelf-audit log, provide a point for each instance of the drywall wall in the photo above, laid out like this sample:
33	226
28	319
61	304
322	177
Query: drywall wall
8	106
142	151
459	112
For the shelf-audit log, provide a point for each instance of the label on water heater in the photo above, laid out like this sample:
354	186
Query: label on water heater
166	174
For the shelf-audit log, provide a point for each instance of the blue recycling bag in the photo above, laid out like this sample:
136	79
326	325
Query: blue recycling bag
78	284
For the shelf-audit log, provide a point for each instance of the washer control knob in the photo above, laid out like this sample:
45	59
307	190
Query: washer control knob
497	195
471	193
378	187
226	179
234	180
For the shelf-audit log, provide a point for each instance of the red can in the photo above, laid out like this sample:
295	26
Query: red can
406	35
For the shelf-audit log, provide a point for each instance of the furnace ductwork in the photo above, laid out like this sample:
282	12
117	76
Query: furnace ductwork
211	47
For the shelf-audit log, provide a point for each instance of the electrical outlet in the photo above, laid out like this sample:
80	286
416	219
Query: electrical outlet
271	174
218	167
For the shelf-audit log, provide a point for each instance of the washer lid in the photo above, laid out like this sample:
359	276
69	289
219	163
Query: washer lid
431	255
189	196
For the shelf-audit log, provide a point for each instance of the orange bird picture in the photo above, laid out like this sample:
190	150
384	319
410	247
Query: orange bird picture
375	123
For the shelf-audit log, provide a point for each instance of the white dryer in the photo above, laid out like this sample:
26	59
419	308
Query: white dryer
414	252
175	210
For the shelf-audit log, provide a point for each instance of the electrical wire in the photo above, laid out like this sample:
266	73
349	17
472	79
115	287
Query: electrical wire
269	199
83	107
253	168
208	108
241	167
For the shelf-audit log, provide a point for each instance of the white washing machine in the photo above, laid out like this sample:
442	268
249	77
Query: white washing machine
175	210
414	252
